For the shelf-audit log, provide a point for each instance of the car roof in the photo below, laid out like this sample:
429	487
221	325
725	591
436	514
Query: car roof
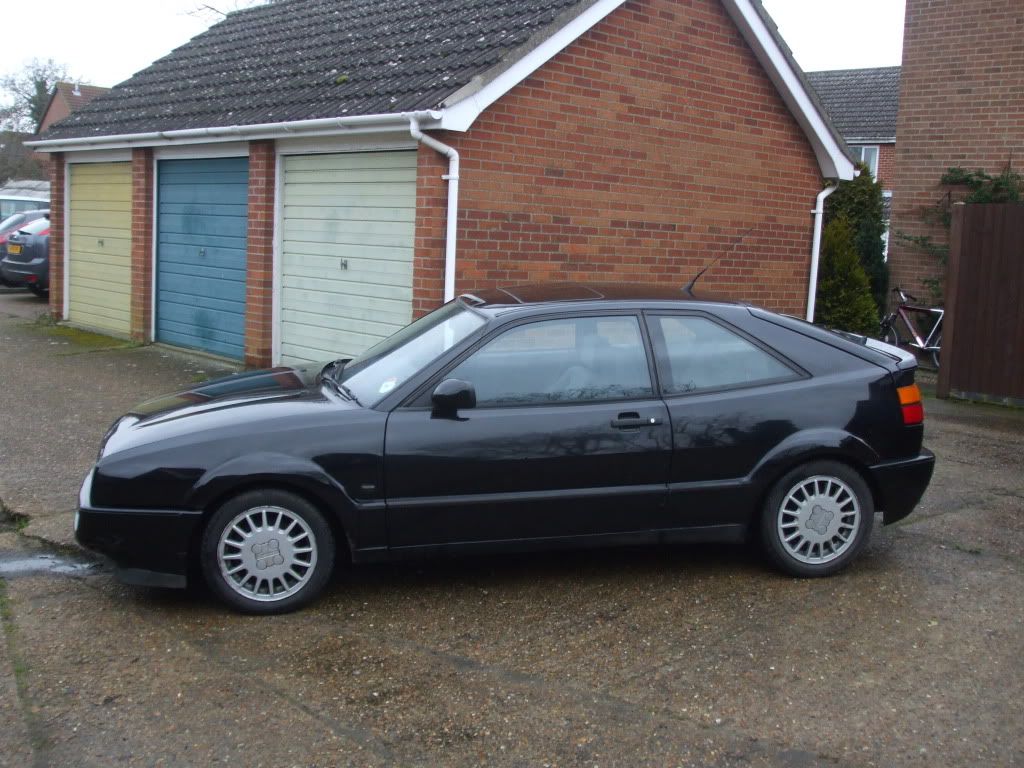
559	293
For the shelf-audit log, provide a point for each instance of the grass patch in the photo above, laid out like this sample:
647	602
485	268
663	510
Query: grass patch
10	519
36	734
84	341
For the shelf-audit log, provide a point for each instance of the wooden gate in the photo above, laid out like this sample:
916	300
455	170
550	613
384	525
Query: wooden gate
983	330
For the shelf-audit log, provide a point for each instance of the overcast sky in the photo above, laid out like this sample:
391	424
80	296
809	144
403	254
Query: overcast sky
94	39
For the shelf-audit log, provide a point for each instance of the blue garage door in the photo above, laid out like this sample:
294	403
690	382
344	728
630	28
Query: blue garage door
201	243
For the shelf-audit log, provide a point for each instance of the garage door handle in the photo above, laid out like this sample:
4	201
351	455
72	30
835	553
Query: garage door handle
633	421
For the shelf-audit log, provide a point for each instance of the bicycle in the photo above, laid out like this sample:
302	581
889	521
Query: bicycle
932	342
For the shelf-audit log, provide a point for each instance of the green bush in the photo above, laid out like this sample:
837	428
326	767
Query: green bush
860	201
844	297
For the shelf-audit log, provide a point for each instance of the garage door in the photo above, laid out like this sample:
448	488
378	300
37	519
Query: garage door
201	245
346	252
99	246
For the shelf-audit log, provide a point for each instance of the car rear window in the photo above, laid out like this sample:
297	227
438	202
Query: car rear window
12	221
36	227
837	339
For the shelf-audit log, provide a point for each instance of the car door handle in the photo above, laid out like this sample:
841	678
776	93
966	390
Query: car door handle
634	421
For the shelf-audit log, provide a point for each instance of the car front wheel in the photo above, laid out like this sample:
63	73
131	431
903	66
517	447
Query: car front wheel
267	551
817	519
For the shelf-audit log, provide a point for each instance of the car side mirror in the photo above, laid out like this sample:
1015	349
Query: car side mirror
451	396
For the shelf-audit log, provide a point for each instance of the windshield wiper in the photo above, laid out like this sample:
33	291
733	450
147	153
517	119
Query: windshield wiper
329	374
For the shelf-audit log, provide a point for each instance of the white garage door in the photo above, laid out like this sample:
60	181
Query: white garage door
346	252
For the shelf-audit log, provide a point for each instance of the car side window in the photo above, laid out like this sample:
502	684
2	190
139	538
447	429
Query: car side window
583	359
699	354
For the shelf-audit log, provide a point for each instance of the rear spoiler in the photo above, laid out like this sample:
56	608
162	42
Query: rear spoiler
905	360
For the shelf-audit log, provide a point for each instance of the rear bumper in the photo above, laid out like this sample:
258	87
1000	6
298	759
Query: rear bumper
901	484
149	547
35	272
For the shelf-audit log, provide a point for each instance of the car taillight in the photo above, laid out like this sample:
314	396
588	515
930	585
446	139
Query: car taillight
910	402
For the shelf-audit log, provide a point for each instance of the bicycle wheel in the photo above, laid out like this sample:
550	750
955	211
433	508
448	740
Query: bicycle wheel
935	353
889	335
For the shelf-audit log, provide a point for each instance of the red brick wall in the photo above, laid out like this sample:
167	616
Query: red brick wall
887	165
57	199
635	155
961	104
260	272
142	244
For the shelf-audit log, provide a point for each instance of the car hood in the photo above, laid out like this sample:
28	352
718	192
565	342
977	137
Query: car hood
232	391
234	404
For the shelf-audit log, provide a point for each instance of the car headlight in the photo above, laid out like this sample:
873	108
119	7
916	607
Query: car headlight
85	494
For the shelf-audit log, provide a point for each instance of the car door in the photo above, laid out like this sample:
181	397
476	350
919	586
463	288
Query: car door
567	439
730	400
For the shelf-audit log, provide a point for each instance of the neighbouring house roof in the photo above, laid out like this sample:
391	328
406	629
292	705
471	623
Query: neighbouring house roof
67	98
299	61
861	102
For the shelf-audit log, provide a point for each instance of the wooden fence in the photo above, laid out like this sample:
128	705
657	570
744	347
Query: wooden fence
983	330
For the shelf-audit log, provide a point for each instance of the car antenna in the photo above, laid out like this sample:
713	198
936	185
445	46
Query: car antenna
735	245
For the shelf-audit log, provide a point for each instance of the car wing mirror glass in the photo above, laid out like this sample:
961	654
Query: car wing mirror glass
451	396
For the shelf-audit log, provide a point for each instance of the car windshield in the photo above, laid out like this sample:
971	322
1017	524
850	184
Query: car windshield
382	368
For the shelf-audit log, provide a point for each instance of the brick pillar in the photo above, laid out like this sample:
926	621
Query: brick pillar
142	244
259	282
57	235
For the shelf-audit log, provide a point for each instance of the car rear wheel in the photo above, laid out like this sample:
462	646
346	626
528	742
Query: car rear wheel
817	519
267	551
41	293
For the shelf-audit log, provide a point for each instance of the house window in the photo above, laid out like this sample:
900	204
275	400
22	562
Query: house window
868	156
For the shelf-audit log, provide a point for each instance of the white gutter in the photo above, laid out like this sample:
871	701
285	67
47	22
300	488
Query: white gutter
819	218
320	126
452	222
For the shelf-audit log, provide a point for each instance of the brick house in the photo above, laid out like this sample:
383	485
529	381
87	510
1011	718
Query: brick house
863	105
305	177
961	104
66	98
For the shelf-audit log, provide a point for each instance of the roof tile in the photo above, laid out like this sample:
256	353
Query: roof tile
307	59
861	102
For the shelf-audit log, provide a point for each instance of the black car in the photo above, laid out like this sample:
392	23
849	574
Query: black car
525	418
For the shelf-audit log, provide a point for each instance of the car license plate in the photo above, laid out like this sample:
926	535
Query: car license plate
14	250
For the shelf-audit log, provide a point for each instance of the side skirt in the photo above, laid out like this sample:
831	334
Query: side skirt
734	534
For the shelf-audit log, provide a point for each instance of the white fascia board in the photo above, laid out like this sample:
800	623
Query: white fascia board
465	106
832	158
331	126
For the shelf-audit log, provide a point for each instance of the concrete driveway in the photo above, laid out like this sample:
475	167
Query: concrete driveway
690	656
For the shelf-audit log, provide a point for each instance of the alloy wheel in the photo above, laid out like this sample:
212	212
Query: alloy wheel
267	553
818	519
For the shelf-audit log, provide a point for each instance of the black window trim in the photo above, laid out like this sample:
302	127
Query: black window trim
420	398
660	348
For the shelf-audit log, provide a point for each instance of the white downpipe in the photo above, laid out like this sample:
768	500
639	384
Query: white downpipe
819	218
452	222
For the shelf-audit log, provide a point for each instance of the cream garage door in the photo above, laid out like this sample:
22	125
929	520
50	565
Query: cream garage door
99	246
346	252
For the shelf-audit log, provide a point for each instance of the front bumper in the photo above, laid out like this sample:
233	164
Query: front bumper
901	484
149	547
19	273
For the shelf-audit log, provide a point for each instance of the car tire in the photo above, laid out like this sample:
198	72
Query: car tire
41	293
817	519
267	551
